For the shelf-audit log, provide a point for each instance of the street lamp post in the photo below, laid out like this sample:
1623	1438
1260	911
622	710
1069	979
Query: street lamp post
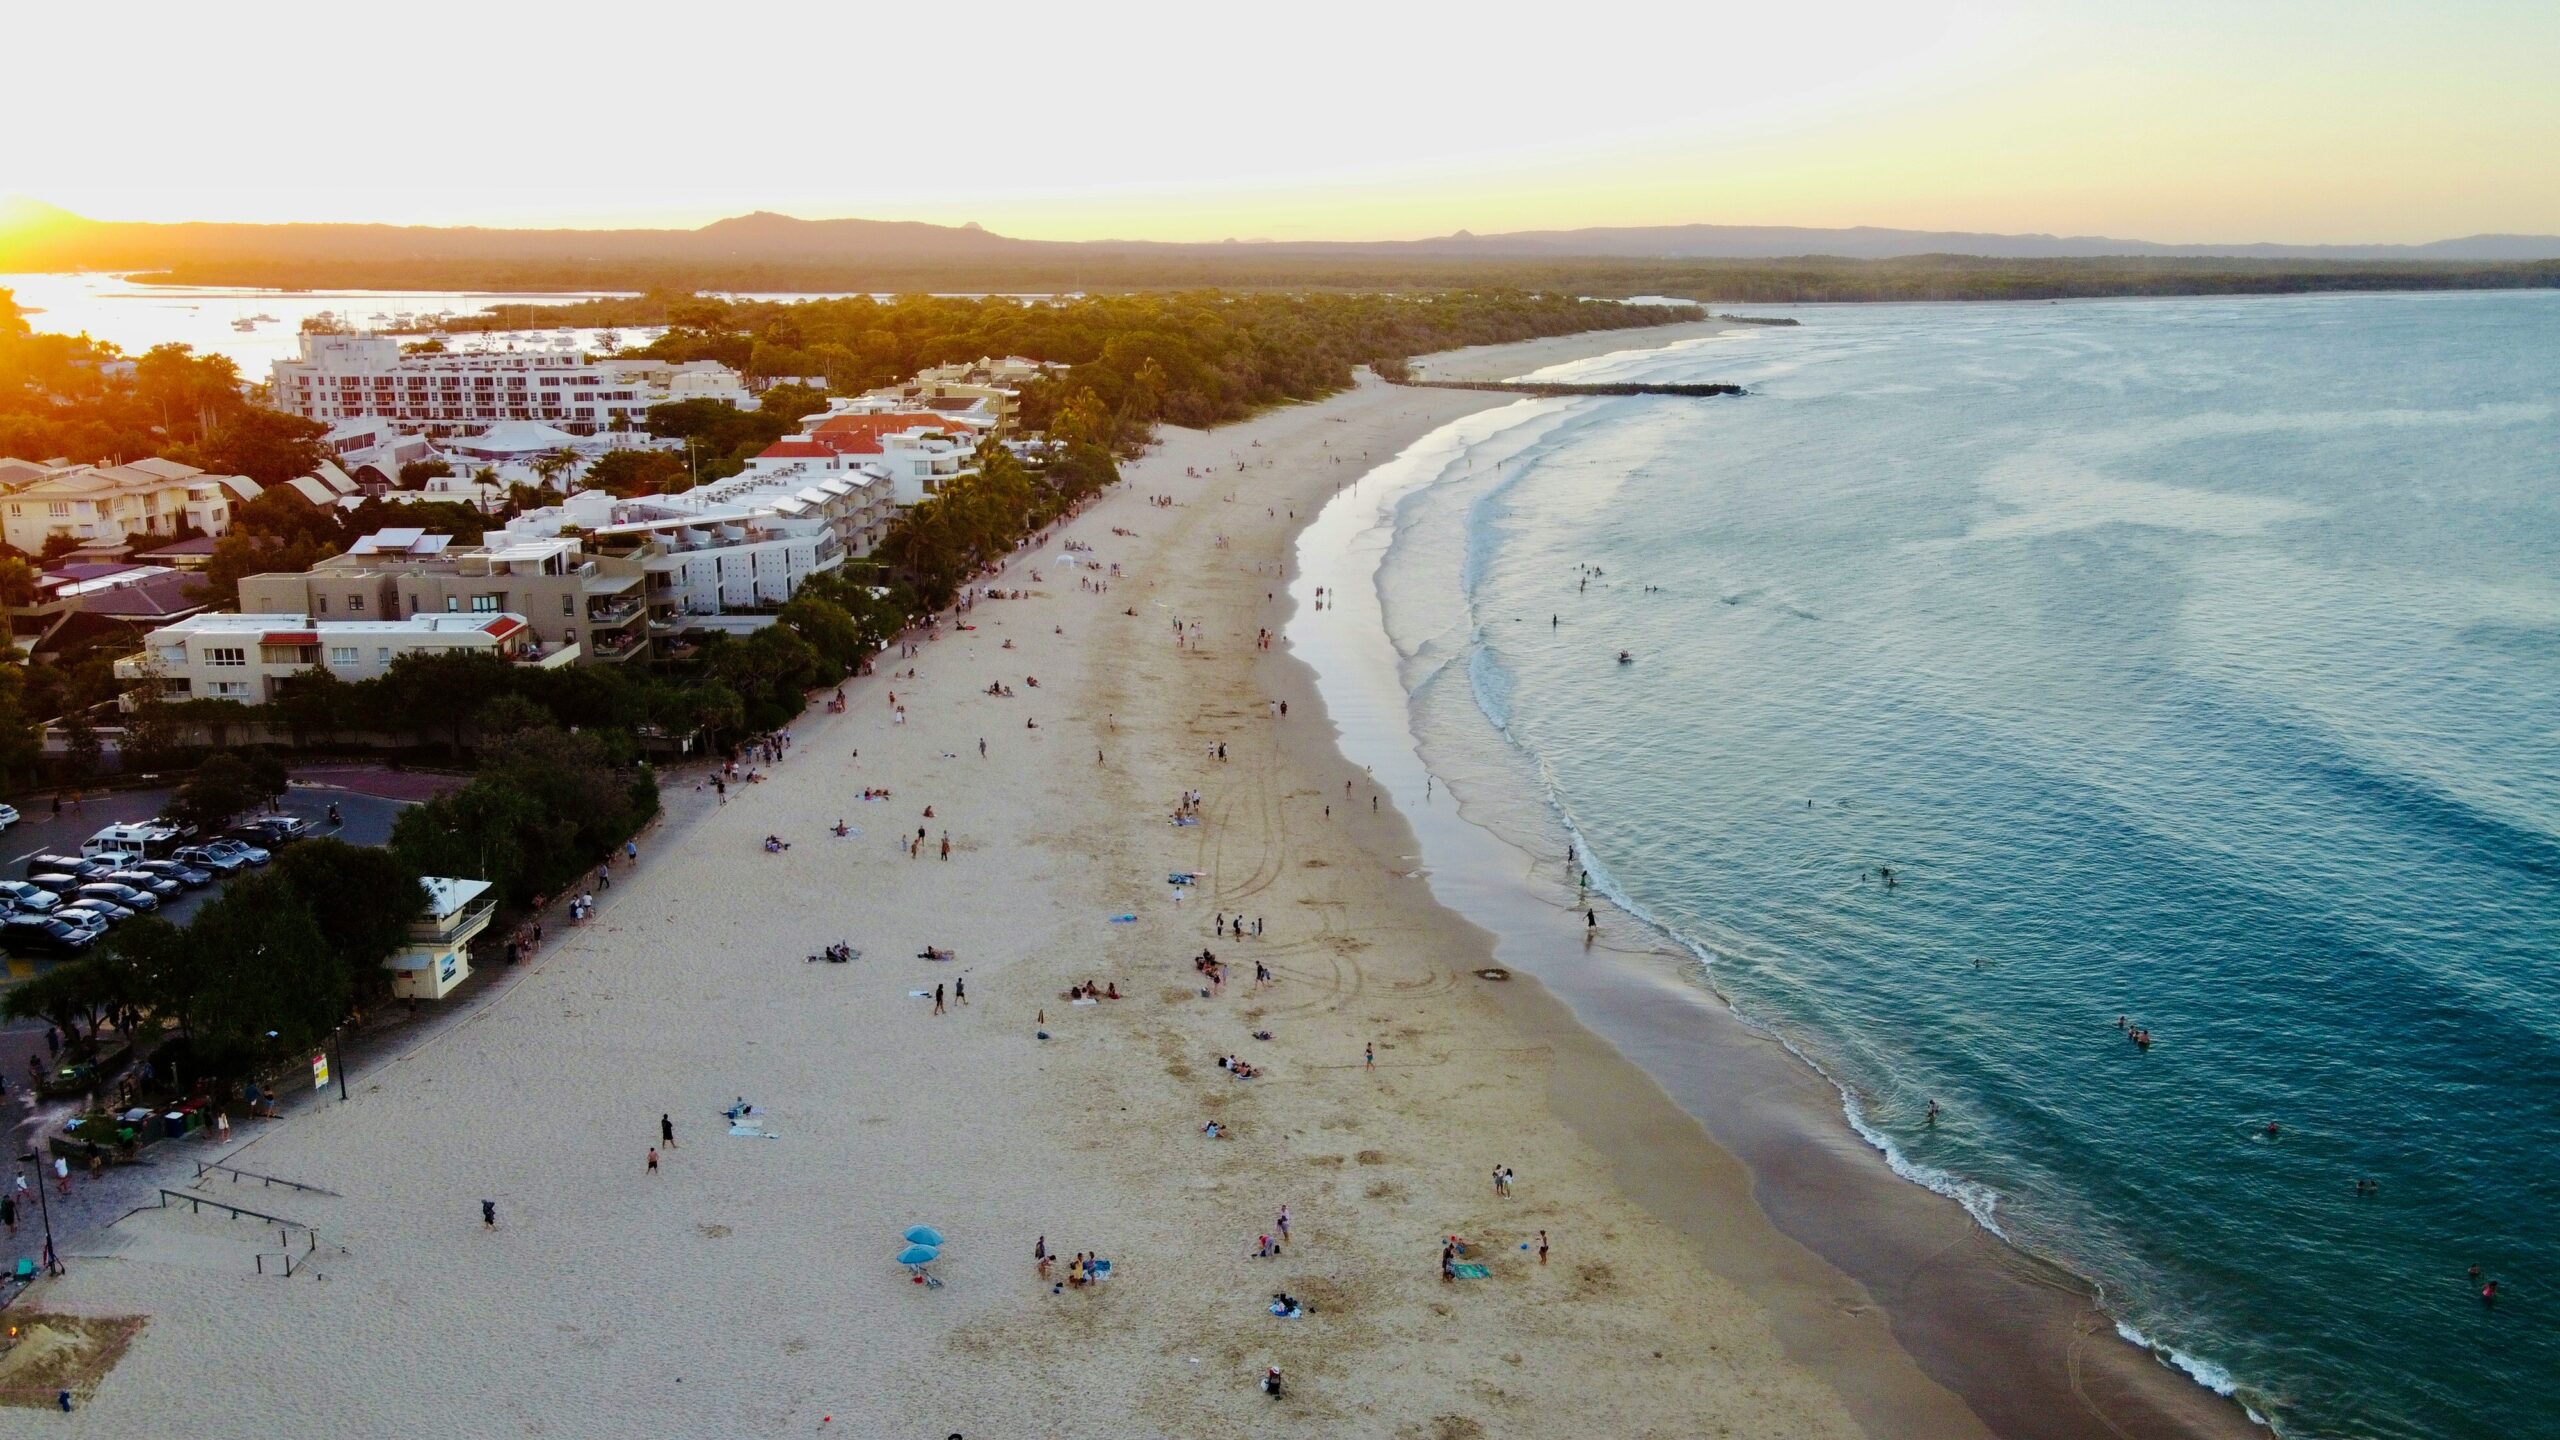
52	1261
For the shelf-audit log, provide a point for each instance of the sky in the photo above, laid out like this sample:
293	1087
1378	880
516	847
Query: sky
2244	120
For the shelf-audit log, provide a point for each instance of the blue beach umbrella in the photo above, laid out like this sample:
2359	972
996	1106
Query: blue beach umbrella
918	1255
923	1235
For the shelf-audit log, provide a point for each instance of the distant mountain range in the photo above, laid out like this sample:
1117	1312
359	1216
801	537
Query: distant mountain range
36	237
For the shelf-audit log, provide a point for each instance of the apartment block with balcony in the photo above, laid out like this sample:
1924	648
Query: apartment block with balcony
247	657
593	606
354	377
704	554
110	505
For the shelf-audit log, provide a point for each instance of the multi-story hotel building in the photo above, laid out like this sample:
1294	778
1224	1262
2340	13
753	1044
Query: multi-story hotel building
350	377
588	606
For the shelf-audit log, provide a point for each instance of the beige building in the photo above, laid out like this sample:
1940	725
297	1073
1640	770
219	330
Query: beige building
593	604
102	506
247	657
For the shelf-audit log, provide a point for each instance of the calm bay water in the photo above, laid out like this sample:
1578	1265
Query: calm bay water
2196	662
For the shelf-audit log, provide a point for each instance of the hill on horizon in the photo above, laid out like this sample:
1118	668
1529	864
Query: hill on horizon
35	237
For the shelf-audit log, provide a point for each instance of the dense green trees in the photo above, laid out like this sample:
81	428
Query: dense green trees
546	805
269	967
223	786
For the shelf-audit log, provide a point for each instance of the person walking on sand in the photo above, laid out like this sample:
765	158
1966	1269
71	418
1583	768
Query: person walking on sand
937	999
960	990
1284	1224
653	1159
946	847
1542	1247
489	1214
1369	1056
666	1130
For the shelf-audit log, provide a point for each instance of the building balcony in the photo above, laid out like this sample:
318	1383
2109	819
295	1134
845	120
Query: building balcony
613	612
620	644
540	658
457	928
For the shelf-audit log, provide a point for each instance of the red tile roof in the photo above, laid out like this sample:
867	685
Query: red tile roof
795	450
504	626
290	637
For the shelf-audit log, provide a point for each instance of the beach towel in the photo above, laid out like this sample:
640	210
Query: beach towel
1186	819
752	1130
1124	919
1471	1272
1292	1313
1084	1002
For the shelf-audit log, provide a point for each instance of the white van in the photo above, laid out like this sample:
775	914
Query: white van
125	844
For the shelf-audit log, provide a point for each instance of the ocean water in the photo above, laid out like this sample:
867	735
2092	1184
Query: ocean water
2190	661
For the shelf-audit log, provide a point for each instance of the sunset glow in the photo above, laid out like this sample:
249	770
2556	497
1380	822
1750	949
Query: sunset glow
2179	122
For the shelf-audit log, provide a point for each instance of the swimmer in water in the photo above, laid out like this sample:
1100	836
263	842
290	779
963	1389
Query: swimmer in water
1933	1112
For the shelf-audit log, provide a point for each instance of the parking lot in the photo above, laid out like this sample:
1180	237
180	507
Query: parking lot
367	821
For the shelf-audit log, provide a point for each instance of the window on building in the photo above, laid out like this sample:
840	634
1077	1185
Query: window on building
355	604
342	654
452	603
568	605
229	689
319	604
227	655
381	654
59	507
485	604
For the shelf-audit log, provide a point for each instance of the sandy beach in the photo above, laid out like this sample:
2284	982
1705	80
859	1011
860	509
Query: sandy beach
748	1287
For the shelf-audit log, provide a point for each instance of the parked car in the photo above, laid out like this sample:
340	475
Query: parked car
105	910
124	895
8	816
56	881
77	865
160	886
43	935
253	854
92	923
206	857
273	831
184	874
19	895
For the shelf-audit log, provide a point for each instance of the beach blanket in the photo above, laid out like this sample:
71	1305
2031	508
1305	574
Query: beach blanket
1084	1002
1471	1272
753	1130
1186	819
1292	1313
1124	919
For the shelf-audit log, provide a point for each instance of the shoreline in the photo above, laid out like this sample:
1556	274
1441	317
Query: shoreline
743	1290
2005	1329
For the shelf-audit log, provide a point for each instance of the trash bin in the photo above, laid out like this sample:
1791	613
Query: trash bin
177	1124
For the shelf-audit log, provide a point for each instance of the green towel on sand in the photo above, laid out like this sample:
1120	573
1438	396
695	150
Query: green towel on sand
1471	1272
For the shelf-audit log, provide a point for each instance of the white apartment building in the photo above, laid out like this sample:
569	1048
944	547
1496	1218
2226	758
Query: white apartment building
704	553
244	657
108	505
350	377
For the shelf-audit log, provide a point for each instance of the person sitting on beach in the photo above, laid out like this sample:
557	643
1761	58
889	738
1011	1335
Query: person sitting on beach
933	952
841	828
1210	1129
1113	993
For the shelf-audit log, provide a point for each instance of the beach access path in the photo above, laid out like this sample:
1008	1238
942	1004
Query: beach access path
747	1287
